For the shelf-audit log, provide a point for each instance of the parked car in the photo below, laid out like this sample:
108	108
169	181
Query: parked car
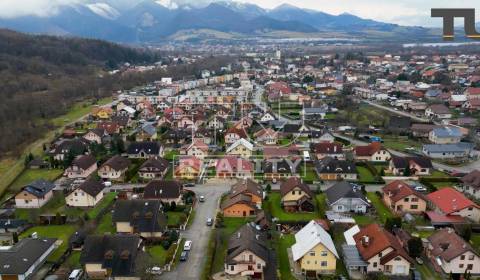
184	256
420	188
154	270
188	185
76	274
202	198
209	222
188	245
416	275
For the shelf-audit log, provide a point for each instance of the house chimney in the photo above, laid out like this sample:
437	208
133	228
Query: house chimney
365	240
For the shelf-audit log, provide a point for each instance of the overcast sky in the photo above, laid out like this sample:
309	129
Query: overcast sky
405	12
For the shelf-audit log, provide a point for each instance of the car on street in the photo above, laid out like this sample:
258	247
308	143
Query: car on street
184	256
188	185
202	198
188	245
209	222
420	188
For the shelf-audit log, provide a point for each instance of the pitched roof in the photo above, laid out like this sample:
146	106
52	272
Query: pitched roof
447	132
155	163
21	257
397	190
247	238
92	187
404	162
472	179
439	109
246	186
239	132
280	152
448	245
328	148
144	215
117	253
117	163
344	190
237	199
239	142
309	237
372	239
294	182
368	150
449	200
84	161
331	165
158	189
151	148
233	164
39	187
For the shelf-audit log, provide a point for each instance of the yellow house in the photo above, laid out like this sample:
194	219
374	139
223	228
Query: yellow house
314	252
241	148
102	112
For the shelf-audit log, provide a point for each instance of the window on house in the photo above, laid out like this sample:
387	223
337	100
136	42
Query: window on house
471	257
312	253
413	206
324	253
462	257
460	265
406	199
324	263
375	264
232	268
469	266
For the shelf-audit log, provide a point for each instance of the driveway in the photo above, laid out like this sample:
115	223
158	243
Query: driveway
199	232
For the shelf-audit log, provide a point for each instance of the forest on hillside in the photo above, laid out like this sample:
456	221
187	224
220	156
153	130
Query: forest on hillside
41	77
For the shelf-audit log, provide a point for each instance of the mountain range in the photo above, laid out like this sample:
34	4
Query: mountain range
153	21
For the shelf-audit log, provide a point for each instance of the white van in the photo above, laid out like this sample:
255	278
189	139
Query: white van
188	245
76	275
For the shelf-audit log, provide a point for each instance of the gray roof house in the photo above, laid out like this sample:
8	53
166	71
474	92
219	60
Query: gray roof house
346	197
23	259
448	151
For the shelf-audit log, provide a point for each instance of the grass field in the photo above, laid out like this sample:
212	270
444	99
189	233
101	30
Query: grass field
62	232
274	205
30	175
282	243
399	143
176	218
158	254
382	210
106	201
73	260
364	174
105	225
307	172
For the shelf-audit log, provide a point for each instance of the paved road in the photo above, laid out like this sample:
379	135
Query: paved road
199	232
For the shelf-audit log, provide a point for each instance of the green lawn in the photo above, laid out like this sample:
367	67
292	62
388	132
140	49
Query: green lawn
475	241
176	218
172	155
106	201
426	272
78	110
230	226
30	175
382	210
438	174
362	220
364	174
105	225
73	261
282	243
307	173
158	254
273	204
62	232
399	143
54	206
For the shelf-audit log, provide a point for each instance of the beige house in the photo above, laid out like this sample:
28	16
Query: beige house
87	194
241	148
247	253
296	196
450	252
196	149
82	167
35	194
382	251
402	198
372	152
95	135
114	169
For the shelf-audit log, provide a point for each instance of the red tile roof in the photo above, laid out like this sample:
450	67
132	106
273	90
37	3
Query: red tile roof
449	200
368	150
328	148
397	190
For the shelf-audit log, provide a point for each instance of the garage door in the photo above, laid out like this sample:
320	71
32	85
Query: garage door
400	269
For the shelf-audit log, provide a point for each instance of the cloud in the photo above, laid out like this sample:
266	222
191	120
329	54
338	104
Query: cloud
42	8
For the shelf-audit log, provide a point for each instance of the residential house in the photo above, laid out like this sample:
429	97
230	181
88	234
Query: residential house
188	168
145	150
275	169
147	132
197	149
460	150
402	198
267	117
296	196
422	130
314	251
416	165
452	253
240	205
111	257
241	148
438	111
372	152
471	184
109	127
249	188
280	152
88	194
323	150
233	134
445	135
346	197
234	167
244	123
142	217
24	259
167	191
450	202
322	136
35	194
331	169
103	113
296	130
114	169
153	168
382	251
82	167
266	136
247	253
216	122
96	135
69	147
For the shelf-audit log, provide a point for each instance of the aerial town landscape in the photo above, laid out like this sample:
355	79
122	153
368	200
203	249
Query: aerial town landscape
229	159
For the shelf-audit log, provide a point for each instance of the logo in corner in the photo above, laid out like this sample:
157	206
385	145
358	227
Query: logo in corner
449	16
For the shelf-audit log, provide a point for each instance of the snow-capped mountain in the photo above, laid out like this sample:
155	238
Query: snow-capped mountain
104	10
